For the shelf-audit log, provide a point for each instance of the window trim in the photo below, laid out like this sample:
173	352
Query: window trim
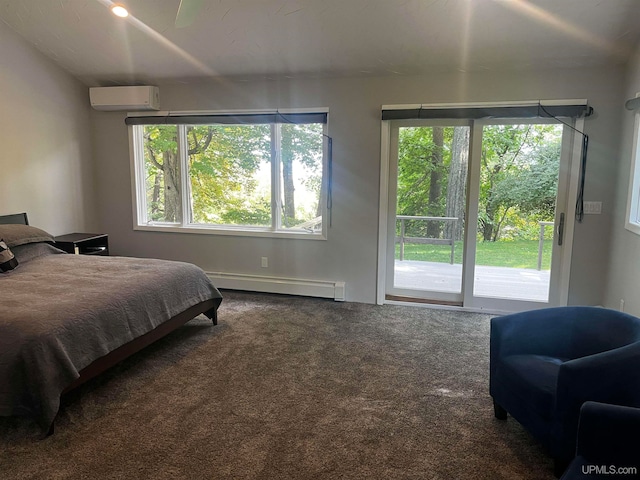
136	150
632	219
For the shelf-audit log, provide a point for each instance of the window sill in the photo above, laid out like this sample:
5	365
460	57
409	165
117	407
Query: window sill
208	230
633	227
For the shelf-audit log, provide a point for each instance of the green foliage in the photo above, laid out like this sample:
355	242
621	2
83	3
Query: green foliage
422	163
260	214
518	226
229	168
416	150
534	186
301	151
158	140
304	144
519	173
518	178
224	184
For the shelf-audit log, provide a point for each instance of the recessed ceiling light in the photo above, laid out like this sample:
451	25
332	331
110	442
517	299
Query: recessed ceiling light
119	10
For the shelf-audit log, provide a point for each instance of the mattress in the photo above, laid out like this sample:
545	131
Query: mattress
60	312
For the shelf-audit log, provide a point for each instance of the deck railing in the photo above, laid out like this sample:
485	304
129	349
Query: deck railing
541	241
402	239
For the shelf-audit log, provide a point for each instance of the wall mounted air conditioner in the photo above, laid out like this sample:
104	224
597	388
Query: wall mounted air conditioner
125	98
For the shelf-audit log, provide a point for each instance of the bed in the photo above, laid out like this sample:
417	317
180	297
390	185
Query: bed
66	318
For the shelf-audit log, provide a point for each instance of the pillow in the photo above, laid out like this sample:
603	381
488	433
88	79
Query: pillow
31	251
7	260
14	234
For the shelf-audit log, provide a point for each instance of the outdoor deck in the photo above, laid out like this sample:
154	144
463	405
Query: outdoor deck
500	282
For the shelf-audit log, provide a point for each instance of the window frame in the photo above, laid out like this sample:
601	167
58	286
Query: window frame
632	219
138	175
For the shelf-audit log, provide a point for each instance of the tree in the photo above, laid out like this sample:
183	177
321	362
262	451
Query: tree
224	162
508	154
161	153
457	183
220	159
432	177
423	155
301	145
435	177
519	168
533	189
224	188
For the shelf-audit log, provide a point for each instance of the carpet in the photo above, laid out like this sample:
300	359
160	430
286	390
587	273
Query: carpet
289	388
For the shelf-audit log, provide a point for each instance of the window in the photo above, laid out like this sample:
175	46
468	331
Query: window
254	174
633	202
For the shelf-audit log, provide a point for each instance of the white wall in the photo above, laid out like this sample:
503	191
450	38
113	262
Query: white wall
45	159
350	253
623	281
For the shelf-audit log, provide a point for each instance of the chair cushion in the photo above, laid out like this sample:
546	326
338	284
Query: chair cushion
533	378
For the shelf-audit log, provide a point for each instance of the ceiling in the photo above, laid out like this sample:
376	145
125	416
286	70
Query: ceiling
316	38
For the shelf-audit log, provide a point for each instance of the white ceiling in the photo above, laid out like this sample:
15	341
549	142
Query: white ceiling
303	38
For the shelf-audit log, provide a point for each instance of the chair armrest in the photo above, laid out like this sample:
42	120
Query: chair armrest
609	377
609	434
541	332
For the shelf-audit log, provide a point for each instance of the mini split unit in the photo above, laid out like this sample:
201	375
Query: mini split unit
125	98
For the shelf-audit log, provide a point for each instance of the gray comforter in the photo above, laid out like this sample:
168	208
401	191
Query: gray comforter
59	313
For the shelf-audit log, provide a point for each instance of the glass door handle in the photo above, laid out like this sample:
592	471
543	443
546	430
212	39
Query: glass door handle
561	229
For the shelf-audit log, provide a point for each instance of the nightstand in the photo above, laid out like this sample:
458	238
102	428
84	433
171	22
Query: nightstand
84	243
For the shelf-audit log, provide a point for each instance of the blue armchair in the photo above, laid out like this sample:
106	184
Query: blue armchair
608	446
544	364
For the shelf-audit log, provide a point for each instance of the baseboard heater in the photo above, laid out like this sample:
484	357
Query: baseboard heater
289	286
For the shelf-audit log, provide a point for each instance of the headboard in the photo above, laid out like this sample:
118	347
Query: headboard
20	218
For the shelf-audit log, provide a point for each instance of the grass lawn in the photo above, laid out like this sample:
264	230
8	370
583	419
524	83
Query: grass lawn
514	254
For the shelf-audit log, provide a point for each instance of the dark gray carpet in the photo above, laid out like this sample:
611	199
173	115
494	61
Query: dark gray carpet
289	388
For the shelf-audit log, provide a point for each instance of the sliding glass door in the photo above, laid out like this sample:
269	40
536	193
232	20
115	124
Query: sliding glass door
426	232
518	189
477	212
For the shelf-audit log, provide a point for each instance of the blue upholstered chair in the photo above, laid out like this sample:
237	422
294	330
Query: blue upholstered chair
608	445
546	363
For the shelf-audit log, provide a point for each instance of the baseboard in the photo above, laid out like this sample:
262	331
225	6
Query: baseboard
289	286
